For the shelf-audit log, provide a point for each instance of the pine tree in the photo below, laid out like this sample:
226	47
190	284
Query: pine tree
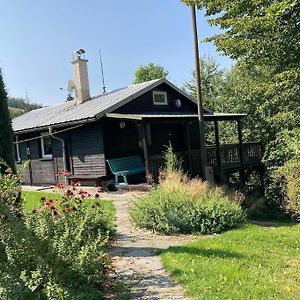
6	131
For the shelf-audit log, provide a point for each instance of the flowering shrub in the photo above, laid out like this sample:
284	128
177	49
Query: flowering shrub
57	251
10	189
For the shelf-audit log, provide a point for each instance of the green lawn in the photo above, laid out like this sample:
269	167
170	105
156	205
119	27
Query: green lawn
31	200
247	263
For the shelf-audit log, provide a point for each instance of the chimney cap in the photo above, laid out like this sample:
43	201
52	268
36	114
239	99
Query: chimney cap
79	53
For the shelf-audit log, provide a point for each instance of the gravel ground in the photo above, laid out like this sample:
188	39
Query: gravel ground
135	258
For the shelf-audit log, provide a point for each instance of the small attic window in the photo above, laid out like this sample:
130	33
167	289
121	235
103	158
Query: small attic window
160	98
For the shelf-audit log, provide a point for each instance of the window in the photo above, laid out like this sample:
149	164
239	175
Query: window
46	147
160	98
17	150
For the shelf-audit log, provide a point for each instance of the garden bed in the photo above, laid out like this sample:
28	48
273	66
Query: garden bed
54	246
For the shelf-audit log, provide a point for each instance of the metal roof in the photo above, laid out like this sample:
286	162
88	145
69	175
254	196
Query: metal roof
69	113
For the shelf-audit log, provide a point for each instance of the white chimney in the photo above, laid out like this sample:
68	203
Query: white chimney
81	77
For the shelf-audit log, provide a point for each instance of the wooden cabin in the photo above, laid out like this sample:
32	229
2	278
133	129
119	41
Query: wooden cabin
141	119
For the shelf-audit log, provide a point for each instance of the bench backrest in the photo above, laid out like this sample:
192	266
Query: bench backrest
128	163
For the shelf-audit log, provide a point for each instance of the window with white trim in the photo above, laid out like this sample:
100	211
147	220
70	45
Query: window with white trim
17	149
46	146
160	98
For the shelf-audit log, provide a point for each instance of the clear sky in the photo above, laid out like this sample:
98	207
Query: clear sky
37	38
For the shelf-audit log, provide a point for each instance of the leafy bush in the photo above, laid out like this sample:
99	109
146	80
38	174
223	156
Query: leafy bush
55	252
10	189
289	175
282	180
180	205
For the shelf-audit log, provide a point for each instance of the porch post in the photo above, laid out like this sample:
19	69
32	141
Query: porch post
217	142
242	171
144	144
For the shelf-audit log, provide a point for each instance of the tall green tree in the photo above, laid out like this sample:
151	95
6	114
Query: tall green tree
149	72
259	31
263	36
6	132
212	82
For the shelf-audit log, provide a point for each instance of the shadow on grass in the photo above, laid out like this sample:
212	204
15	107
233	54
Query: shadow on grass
267	223
204	252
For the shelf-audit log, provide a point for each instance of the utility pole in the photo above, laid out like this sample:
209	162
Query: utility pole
203	156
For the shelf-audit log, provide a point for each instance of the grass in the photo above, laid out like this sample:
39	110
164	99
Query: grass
31	201
252	262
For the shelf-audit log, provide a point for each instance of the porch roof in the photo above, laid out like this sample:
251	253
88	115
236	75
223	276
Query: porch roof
207	117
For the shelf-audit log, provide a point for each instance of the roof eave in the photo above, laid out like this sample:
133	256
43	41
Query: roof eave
58	125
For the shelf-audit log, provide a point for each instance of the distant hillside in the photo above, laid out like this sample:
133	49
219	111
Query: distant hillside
18	106
15	112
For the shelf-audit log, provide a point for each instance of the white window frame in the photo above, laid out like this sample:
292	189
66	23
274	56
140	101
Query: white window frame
18	149
160	93
45	156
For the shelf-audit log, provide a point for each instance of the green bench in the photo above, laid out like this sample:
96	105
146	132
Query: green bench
124	166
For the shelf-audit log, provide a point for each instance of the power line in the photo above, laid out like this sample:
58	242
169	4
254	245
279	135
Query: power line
45	135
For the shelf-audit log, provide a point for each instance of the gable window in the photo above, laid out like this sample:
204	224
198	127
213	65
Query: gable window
46	146
160	98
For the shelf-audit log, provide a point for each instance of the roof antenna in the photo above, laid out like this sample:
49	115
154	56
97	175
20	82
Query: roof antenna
101	64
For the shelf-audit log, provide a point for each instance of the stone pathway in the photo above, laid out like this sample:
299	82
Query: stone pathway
134	255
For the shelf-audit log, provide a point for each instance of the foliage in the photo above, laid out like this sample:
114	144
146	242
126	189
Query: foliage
261	32
212	82
57	251
182	205
149	72
23	104
252	262
6	132
171	160
19	106
291	173
263	37
15	112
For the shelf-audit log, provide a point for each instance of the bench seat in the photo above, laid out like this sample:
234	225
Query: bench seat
124	166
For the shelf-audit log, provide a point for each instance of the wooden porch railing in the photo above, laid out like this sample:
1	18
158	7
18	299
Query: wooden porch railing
227	157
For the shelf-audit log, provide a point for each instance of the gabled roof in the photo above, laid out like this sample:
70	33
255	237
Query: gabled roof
69	113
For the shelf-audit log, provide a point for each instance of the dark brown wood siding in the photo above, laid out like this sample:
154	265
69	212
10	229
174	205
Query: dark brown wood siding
43	171
120	142
87	151
144	103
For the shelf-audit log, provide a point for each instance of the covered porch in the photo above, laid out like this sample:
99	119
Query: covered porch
156	131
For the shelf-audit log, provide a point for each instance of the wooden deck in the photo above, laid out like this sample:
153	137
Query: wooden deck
227	158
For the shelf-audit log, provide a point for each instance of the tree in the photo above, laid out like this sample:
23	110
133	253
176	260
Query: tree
149	72
212	82
19	106
264	37
6	132
261	31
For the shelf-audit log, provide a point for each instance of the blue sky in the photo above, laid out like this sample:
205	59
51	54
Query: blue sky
37	39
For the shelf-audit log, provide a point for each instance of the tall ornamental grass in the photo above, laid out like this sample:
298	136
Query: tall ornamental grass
182	205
